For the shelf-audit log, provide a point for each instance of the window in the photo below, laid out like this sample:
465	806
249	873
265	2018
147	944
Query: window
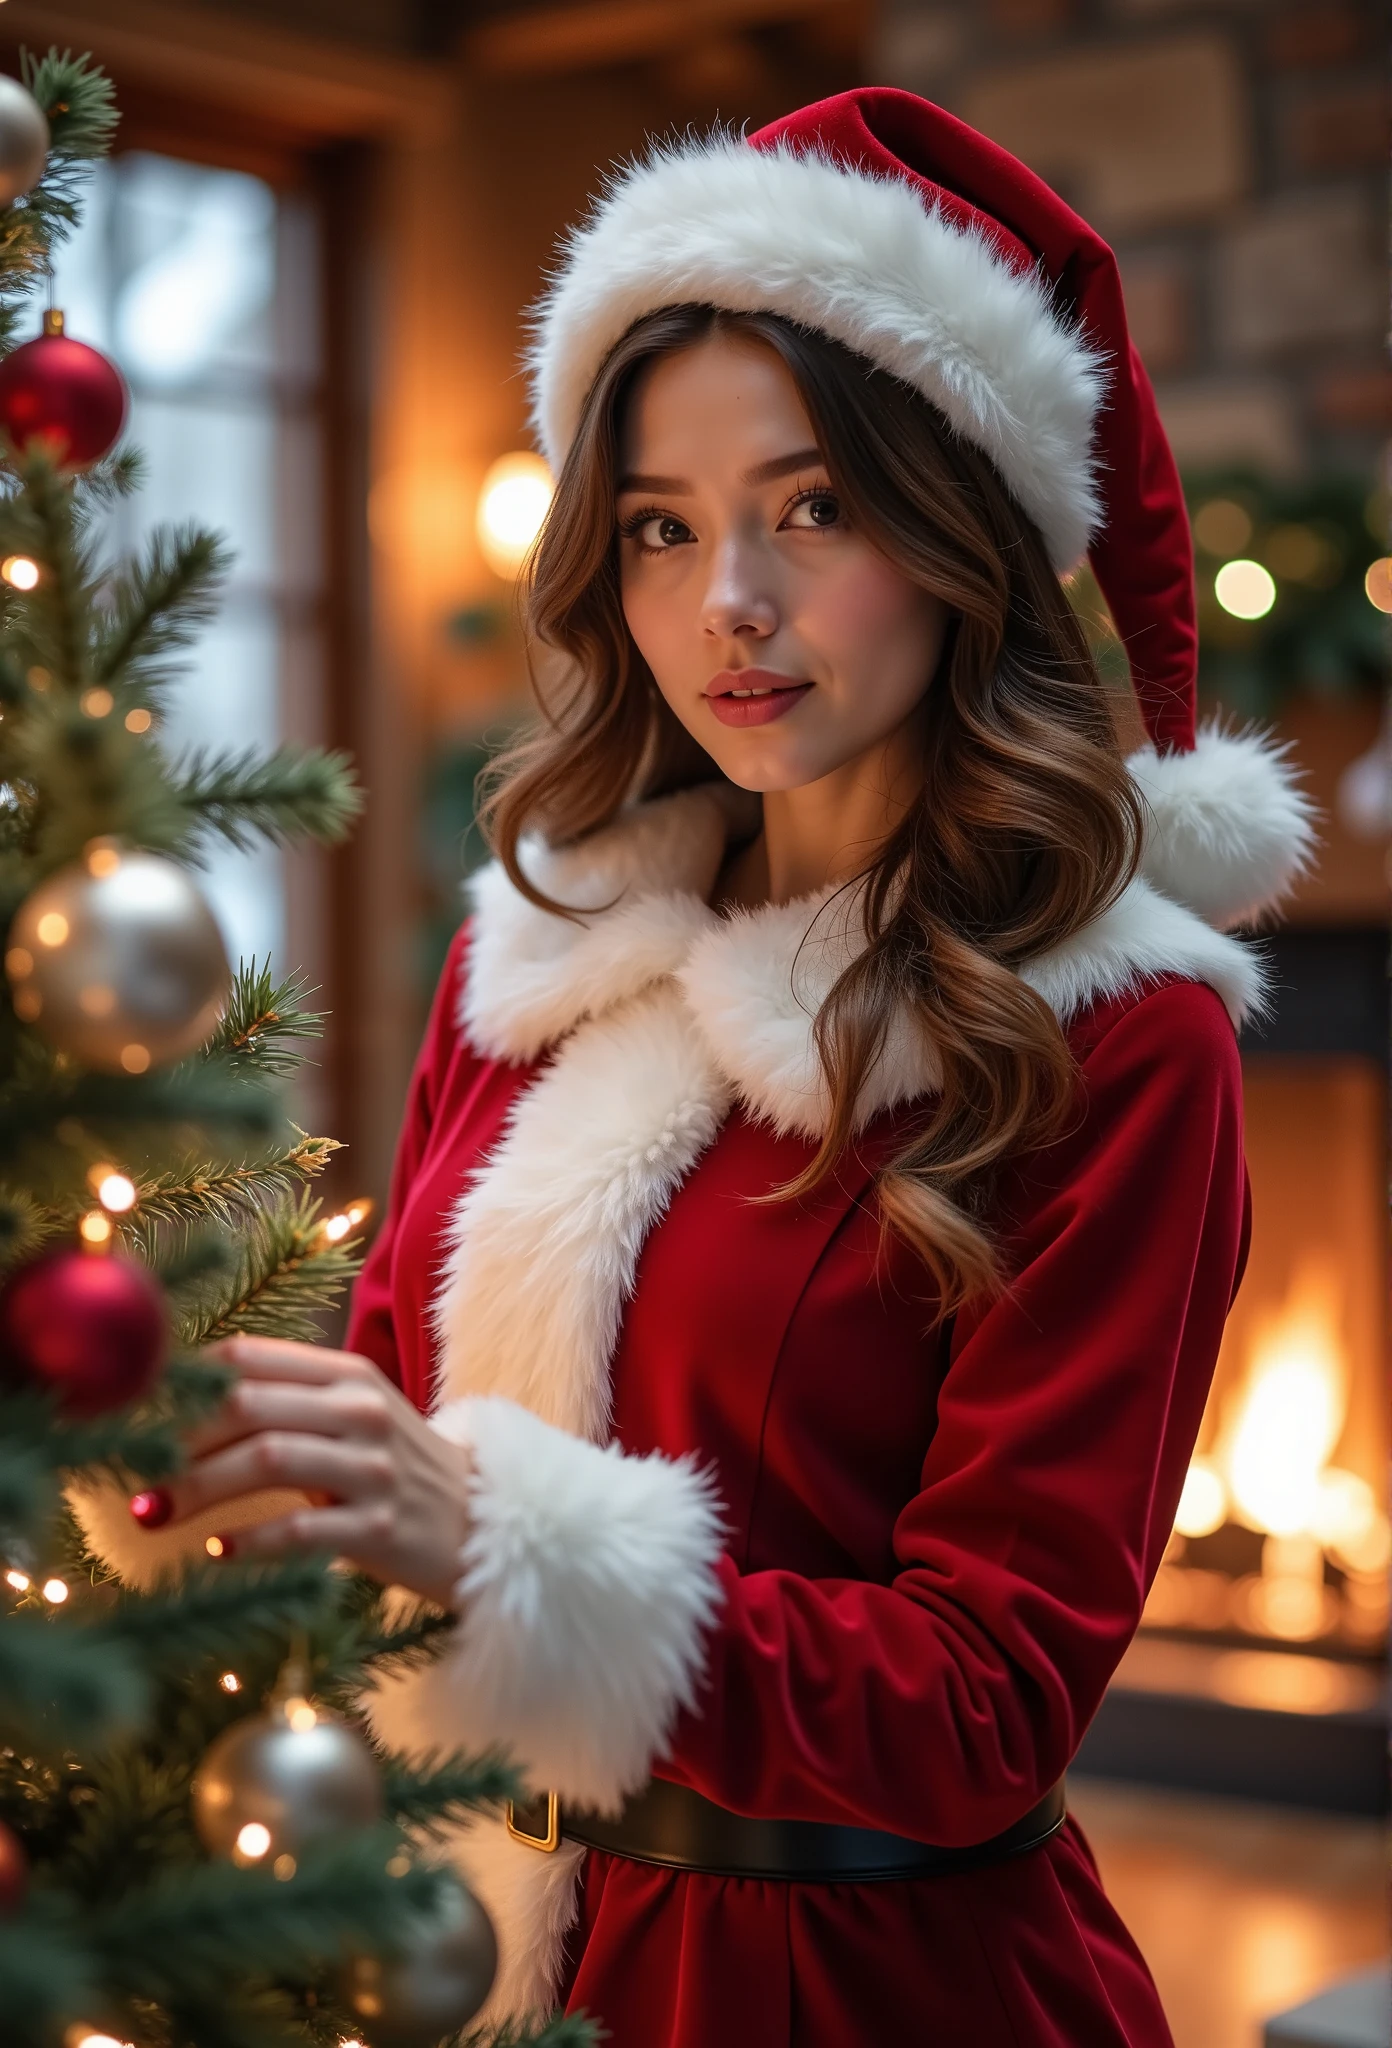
202	284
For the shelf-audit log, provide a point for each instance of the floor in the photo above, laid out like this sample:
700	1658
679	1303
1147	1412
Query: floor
1240	1910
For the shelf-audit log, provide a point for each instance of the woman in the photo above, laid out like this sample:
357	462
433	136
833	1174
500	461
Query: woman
821	1190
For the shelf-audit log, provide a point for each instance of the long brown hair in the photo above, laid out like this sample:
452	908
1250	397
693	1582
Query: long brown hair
1027	825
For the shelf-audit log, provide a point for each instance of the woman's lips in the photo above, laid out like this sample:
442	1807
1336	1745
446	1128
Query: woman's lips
753	696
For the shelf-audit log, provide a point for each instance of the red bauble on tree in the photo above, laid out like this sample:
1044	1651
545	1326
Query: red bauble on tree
89	1326
61	395
14	1871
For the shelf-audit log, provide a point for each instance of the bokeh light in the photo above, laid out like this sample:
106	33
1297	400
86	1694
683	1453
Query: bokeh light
513	503
1245	589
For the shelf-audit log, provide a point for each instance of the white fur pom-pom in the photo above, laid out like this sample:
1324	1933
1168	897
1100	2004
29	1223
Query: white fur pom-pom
1229	829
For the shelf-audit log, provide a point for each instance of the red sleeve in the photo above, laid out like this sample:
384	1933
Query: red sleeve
371	1330
944	1704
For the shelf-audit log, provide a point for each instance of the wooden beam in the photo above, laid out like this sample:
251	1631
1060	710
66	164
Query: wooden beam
593	33
321	91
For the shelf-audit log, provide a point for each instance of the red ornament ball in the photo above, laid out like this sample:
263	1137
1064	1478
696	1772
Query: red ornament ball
14	1871
90	1326
64	396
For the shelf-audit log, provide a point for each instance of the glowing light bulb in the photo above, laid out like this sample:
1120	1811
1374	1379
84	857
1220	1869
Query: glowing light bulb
138	720
230	1682
1245	589
20	1581
252	1841
512	508
52	928
213	1545
55	1591
20	572
116	1192
97	703
95	1229
301	1716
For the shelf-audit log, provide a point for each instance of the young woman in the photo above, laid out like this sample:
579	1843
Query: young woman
821	1191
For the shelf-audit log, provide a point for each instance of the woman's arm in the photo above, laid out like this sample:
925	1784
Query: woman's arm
945	1704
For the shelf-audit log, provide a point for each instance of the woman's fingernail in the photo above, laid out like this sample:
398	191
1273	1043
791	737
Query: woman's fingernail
219	1546
152	1508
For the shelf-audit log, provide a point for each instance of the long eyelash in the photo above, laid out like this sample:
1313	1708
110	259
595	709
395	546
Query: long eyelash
806	497
639	519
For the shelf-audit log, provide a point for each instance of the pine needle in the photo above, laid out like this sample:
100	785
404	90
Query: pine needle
227	1193
294	793
262	1019
287	1274
158	606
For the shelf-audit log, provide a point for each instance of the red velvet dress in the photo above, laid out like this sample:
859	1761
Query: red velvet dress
938	1545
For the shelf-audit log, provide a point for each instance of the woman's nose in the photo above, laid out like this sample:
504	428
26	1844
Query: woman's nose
738	601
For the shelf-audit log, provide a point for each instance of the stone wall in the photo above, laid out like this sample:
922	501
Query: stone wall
1235	154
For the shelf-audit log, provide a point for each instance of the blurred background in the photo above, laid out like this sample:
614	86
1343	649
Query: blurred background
309	256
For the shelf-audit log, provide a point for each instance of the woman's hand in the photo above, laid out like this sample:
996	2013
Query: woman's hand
389	1494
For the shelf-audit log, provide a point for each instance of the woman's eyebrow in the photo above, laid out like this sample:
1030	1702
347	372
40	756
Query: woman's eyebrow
676	485
783	465
762	473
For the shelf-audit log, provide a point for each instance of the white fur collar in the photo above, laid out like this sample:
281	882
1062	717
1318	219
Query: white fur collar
752	983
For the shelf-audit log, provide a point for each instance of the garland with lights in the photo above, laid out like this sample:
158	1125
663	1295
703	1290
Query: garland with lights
199	1847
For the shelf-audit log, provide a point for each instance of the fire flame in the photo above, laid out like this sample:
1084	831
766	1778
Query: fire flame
1269	1469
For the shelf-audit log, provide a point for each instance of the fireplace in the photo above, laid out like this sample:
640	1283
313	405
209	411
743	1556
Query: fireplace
1282	1535
1260	1667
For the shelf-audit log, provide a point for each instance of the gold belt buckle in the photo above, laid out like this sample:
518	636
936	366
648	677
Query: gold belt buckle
551	1840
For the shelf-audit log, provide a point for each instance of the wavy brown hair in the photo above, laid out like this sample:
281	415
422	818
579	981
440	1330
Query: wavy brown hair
1025	829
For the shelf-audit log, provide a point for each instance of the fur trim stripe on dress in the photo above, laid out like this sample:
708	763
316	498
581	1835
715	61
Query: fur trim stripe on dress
860	258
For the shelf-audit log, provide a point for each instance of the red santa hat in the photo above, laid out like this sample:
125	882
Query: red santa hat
880	220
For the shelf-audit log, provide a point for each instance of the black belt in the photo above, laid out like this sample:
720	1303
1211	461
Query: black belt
674	1826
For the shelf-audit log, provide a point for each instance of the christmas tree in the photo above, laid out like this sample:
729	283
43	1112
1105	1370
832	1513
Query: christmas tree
199	1848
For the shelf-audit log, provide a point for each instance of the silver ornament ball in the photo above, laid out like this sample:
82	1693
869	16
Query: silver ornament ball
23	141
117	960
435	1981
271	1786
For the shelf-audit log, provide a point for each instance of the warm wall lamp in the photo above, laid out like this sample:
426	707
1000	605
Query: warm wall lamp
512	504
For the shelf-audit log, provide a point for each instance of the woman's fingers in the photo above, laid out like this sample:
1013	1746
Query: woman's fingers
273	1358
338	1408
274	1458
346	1532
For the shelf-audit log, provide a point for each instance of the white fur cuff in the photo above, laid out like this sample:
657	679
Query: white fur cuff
588	1582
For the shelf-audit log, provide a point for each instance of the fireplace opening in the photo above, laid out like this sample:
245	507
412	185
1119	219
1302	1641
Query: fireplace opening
1282	1536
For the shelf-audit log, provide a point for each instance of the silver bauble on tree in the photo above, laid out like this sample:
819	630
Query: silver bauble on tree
435	1980
272	1785
117	960
23	141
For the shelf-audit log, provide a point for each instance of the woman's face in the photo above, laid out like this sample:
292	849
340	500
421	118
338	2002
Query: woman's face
786	644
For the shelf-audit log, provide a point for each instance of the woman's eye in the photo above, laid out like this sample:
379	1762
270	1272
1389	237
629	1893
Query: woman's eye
658	532
818	509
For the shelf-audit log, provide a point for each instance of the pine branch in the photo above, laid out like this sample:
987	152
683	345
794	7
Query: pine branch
261	1015
227	1193
78	100
287	1274
48	1971
294	793
443	1792
158	606
65	1685
220	1611
80	107
191	1930
34	1103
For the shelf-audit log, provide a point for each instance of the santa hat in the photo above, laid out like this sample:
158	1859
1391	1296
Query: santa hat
880	220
